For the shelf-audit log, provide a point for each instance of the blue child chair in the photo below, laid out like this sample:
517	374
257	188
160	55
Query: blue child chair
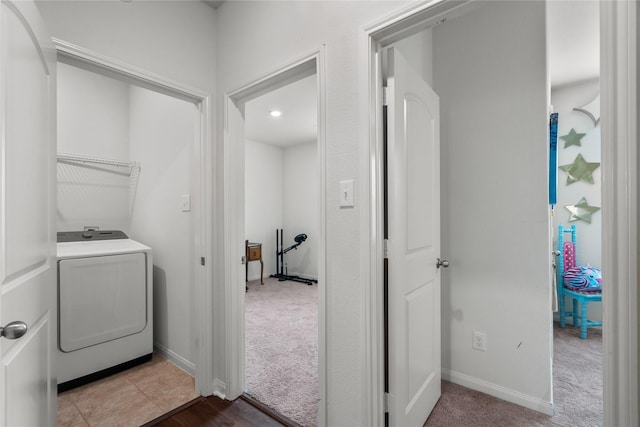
581	283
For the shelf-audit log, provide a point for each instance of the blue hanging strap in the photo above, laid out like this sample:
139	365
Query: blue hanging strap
553	158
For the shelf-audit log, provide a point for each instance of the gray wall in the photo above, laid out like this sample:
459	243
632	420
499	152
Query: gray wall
490	74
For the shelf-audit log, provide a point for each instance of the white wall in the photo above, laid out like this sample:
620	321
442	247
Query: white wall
200	53
418	51
483	285
172	39
159	132
281	191
256	38
162	137
94	112
264	168
300	201
564	99
490	74
93	120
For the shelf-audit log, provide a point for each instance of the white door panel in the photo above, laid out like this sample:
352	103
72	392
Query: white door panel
27	209
413	159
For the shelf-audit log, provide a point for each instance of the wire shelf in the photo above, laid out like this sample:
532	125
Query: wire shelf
91	187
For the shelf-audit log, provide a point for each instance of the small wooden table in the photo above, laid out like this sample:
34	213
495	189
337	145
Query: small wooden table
253	252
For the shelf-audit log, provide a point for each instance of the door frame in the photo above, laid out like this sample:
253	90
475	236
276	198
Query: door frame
620	227
233	318
619	112
201	316
373	39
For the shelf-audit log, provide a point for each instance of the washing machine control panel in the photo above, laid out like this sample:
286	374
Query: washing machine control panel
79	236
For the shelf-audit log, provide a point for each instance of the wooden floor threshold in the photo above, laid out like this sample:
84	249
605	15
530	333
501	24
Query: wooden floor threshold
269	411
173	412
213	411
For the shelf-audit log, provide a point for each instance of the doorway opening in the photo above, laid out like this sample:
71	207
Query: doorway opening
276	188
619	249
574	71
109	114
281	218
455	55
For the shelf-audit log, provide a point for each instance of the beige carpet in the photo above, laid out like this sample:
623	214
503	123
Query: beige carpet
281	335
577	392
282	365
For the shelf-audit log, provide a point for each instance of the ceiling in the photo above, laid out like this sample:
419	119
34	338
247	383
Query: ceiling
298	103
573	29
574	55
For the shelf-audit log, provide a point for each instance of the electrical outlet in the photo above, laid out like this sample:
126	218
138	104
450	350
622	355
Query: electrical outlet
479	341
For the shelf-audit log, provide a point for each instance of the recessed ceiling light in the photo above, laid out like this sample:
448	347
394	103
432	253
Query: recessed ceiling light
275	113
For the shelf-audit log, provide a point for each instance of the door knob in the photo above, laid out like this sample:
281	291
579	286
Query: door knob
442	263
13	330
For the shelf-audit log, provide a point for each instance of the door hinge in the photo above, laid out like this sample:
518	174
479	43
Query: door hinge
243	260
201	260
385	91
386	248
385	402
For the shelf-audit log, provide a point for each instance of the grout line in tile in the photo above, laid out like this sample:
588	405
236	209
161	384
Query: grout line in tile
82	415
142	391
79	412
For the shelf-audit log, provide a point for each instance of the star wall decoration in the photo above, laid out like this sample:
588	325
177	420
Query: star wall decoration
579	170
581	211
572	138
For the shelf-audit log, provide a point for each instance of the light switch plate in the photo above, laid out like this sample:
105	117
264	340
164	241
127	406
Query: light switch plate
346	194
185	202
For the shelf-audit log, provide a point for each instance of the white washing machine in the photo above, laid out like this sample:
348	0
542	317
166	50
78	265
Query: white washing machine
105	305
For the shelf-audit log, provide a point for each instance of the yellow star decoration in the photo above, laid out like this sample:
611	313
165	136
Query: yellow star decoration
581	211
580	170
572	138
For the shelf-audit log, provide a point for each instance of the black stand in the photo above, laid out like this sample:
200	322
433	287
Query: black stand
281	274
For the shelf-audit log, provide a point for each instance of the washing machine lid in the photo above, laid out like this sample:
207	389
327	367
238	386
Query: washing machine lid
99	247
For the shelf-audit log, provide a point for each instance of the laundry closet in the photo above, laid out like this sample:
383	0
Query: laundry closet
125	162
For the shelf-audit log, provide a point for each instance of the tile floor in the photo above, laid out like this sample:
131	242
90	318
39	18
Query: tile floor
129	398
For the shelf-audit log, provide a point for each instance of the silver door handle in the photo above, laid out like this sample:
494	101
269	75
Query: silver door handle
442	263
13	330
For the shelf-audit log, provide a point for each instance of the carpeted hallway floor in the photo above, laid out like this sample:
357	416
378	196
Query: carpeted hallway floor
577	392
281	334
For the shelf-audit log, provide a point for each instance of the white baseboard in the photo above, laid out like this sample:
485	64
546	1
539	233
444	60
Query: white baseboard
176	359
498	391
219	389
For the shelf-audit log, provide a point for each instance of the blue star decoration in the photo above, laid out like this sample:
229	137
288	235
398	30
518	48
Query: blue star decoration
572	138
581	211
579	170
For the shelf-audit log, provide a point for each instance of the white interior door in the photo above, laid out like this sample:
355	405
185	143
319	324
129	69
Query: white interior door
413	161
27	217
